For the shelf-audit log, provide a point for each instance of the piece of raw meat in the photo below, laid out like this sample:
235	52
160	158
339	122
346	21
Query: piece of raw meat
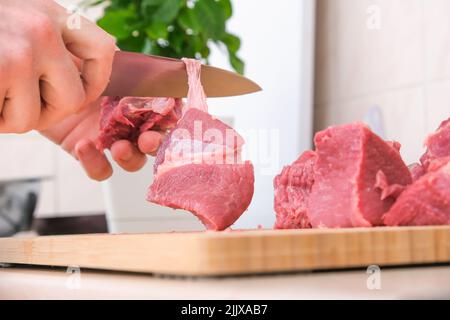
438	144
200	138
198	166
437	154
216	194
292	188
353	169
438	163
425	202
417	171
125	118
388	190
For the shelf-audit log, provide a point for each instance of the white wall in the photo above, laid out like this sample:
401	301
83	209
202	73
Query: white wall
402	65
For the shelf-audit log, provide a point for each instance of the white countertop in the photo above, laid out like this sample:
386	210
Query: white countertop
56	283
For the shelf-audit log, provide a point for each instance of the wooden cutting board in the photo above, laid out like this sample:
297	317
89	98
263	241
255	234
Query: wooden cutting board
234	252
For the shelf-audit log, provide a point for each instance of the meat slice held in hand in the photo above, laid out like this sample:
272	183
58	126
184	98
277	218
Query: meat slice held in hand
216	194
126	118
198	166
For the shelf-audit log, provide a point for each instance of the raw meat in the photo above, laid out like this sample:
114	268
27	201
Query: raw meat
125	118
198	166
425	202
437	154
438	163
417	171
351	180
345	191
200	138
355	179
438	144
292	189
387	190
216	194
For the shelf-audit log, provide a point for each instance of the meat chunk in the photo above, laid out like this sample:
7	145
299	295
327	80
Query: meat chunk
200	138
198	166
438	144
125	118
392	191
417	171
216	194
292	189
346	191
425	202
350	180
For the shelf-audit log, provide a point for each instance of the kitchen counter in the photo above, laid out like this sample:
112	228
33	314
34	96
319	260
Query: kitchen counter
431	282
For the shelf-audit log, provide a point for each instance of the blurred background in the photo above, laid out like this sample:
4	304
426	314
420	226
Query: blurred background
320	63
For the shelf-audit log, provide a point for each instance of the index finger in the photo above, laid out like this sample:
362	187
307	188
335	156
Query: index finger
149	142
95	48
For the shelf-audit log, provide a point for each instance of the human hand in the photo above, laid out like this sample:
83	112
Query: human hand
40	81
77	133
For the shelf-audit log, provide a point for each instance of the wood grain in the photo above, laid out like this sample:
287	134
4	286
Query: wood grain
234	252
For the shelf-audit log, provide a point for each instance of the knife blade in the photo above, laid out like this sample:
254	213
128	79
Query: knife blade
140	75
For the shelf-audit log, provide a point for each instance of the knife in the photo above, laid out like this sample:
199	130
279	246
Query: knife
139	75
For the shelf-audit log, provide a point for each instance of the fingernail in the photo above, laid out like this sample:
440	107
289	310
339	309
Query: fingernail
85	150
127	155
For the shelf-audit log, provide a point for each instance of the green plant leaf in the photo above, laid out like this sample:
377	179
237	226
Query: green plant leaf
205	52
227	8
157	30
147	46
151	18
236	63
211	16
117	4
135	44
149	3
188	20
116	22
198	44
167	11
232	42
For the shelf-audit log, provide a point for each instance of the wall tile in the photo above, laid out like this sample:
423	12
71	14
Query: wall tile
353	61
402	115
404	121
437	35
438	104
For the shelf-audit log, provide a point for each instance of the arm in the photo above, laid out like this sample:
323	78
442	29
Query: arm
50	79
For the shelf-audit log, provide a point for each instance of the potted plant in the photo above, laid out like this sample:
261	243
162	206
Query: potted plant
171	28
